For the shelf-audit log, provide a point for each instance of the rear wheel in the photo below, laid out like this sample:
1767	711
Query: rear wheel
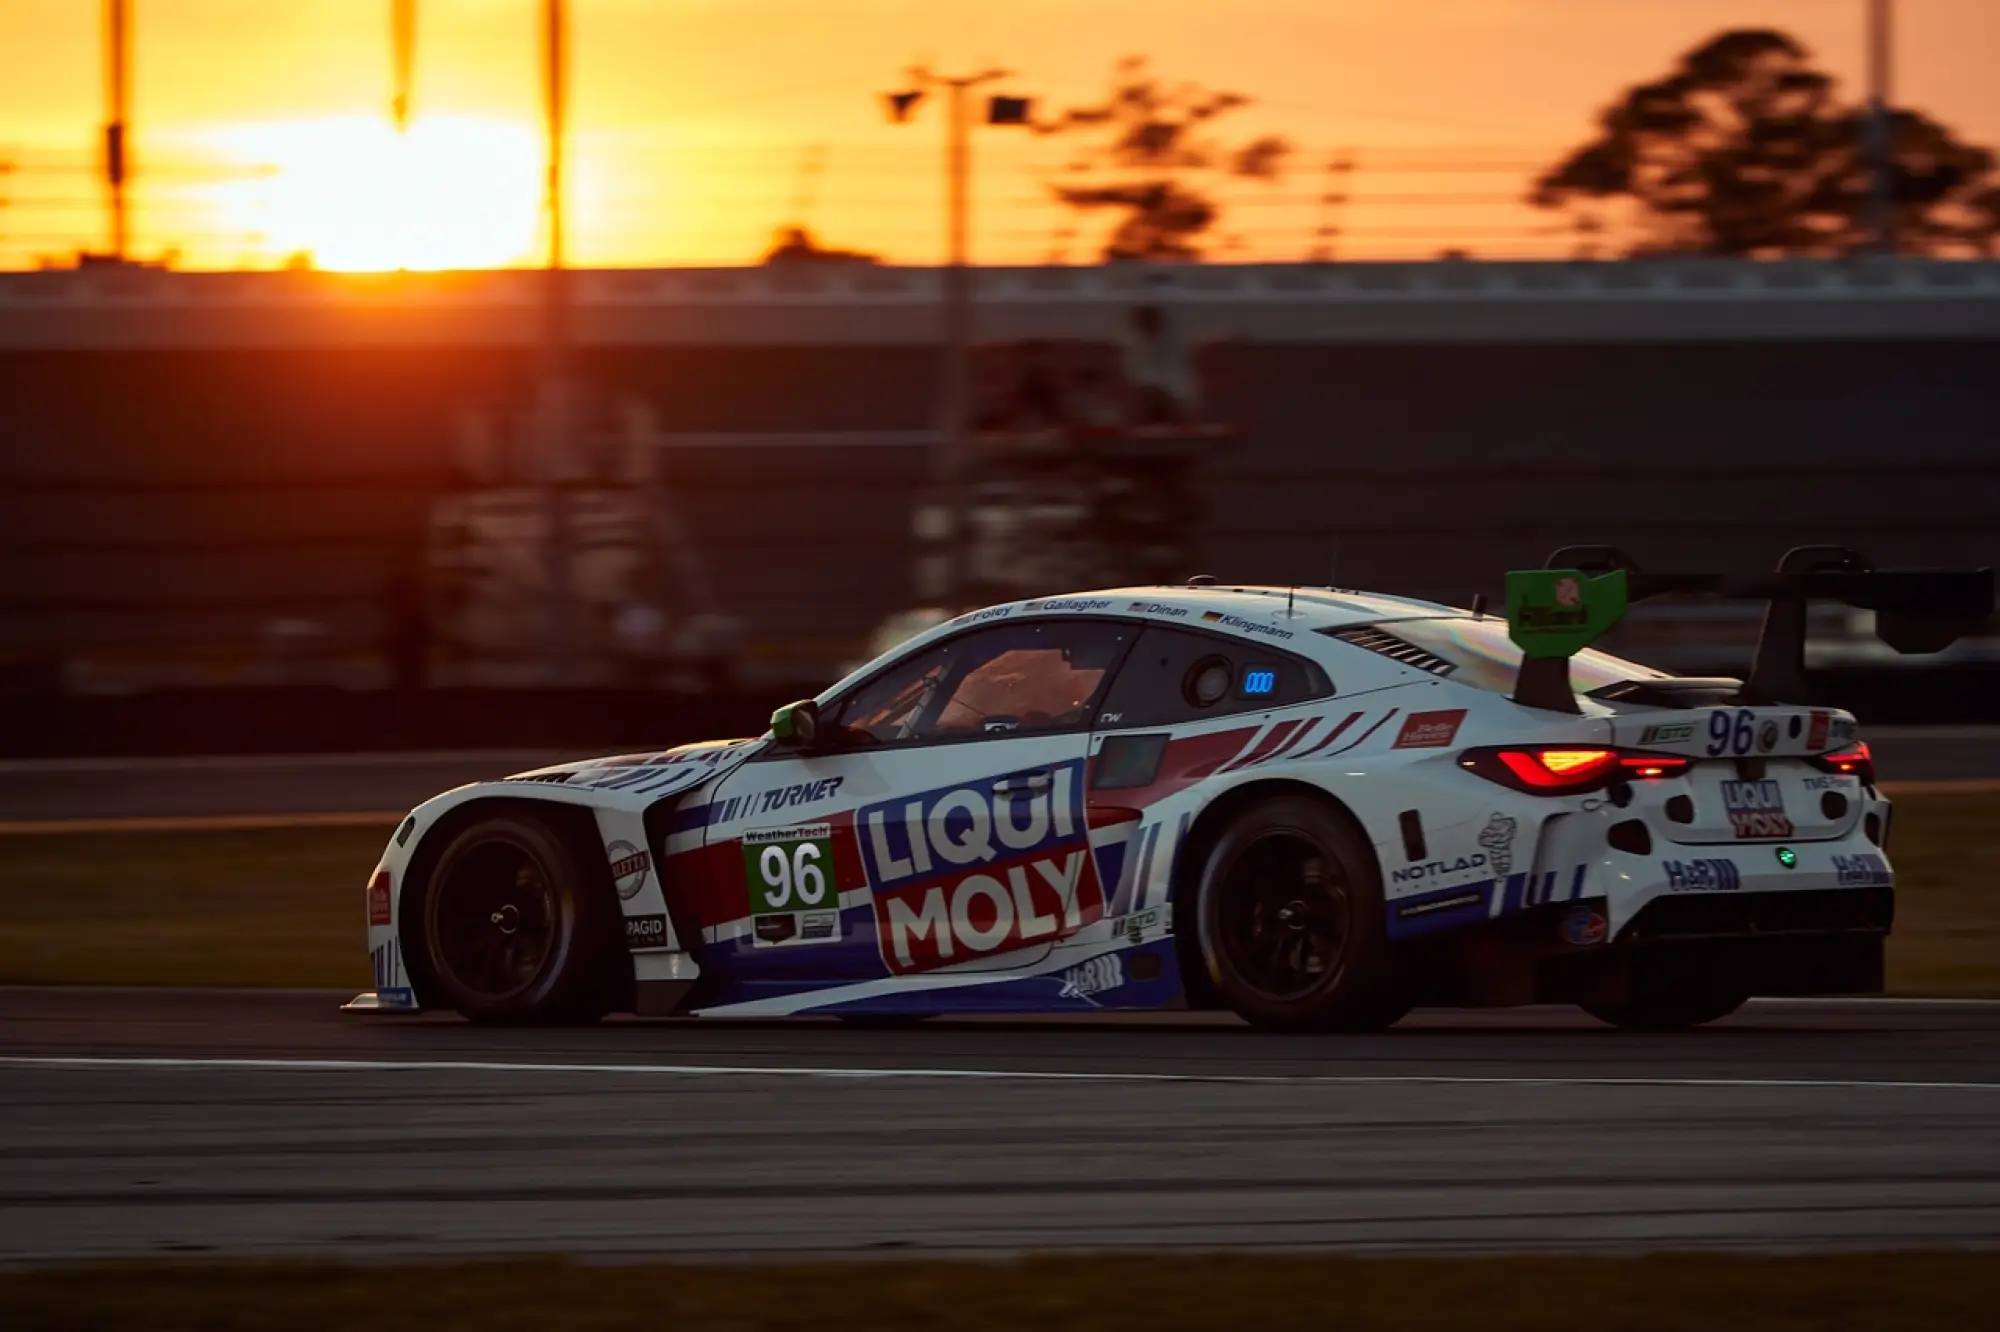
514	929
1291	921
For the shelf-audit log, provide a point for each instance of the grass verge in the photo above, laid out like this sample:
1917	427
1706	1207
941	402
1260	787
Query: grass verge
1913	1292
267	906
283	906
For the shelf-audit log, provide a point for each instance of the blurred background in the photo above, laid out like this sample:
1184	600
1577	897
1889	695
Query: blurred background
459	373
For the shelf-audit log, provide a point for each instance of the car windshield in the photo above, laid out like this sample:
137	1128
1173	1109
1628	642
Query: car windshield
1483	655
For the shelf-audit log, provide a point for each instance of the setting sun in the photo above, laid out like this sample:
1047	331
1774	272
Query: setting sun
355	196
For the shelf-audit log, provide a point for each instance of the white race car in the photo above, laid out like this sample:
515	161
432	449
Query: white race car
1316	807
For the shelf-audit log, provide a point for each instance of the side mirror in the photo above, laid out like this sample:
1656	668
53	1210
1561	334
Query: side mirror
796	726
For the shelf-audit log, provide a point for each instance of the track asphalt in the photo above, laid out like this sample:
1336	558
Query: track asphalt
194	1122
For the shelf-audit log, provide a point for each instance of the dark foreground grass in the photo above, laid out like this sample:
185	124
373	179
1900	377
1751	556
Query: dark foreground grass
1102	1293
285	906
272	906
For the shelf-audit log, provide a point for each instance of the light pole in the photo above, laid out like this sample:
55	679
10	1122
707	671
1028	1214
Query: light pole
403	41
555	413
117	97
941	516
1881	131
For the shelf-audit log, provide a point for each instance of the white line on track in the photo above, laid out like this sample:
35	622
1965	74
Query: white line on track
970	1074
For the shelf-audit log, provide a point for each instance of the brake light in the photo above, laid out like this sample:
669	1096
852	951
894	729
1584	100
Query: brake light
1651	767
1558	769
1853	761
1563	770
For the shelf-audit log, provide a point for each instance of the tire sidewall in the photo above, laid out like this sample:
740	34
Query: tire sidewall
1357	995
551	995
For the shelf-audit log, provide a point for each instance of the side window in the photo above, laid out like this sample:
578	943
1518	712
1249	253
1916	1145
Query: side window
886	709
1021	678
1174	675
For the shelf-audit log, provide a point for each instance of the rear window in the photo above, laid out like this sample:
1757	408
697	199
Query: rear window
1480	653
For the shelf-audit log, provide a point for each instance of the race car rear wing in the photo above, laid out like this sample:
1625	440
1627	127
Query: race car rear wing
1581	591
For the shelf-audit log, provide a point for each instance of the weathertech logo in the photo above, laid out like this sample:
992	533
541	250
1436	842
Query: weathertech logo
1429	730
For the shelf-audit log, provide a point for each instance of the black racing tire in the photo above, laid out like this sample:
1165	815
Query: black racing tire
1290	921
1665	1006
515	930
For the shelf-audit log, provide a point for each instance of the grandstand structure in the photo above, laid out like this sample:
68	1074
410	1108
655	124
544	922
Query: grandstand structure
227	471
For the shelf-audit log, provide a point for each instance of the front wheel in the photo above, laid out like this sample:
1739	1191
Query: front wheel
513	928
1291	921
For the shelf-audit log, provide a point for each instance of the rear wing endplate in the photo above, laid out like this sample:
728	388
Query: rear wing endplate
1556	611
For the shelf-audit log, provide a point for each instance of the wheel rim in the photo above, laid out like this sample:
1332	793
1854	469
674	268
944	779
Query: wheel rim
496	920
1284	916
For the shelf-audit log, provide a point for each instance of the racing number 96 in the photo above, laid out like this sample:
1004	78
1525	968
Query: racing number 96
784	869
1731	733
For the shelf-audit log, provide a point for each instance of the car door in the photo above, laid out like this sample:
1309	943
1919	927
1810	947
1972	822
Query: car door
1185	706
939	825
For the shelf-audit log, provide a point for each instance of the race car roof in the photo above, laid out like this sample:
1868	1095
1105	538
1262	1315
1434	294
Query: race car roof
1312	607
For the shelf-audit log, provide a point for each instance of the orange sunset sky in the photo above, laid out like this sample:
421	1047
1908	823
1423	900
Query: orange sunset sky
260	126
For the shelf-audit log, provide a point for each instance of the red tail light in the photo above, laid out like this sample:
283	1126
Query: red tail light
1648	767
1568	770
1853	761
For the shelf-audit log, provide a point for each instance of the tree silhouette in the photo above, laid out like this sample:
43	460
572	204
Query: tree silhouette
1146	153
1746	149
798	245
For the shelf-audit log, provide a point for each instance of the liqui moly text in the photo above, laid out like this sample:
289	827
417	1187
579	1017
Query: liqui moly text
980	868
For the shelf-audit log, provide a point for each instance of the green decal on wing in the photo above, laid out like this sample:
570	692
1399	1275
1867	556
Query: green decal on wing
1559	612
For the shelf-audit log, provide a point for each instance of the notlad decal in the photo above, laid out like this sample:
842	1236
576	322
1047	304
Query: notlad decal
1439	869
980	868
1756	809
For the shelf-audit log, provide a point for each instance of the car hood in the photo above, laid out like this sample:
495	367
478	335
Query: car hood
658	772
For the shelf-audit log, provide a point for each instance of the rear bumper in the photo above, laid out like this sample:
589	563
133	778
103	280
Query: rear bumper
1816	941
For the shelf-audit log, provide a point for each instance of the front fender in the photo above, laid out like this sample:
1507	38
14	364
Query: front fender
617	792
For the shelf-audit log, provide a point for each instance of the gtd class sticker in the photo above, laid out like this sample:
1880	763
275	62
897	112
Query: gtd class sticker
794	897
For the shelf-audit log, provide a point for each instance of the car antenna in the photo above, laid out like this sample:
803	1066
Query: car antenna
1478	605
